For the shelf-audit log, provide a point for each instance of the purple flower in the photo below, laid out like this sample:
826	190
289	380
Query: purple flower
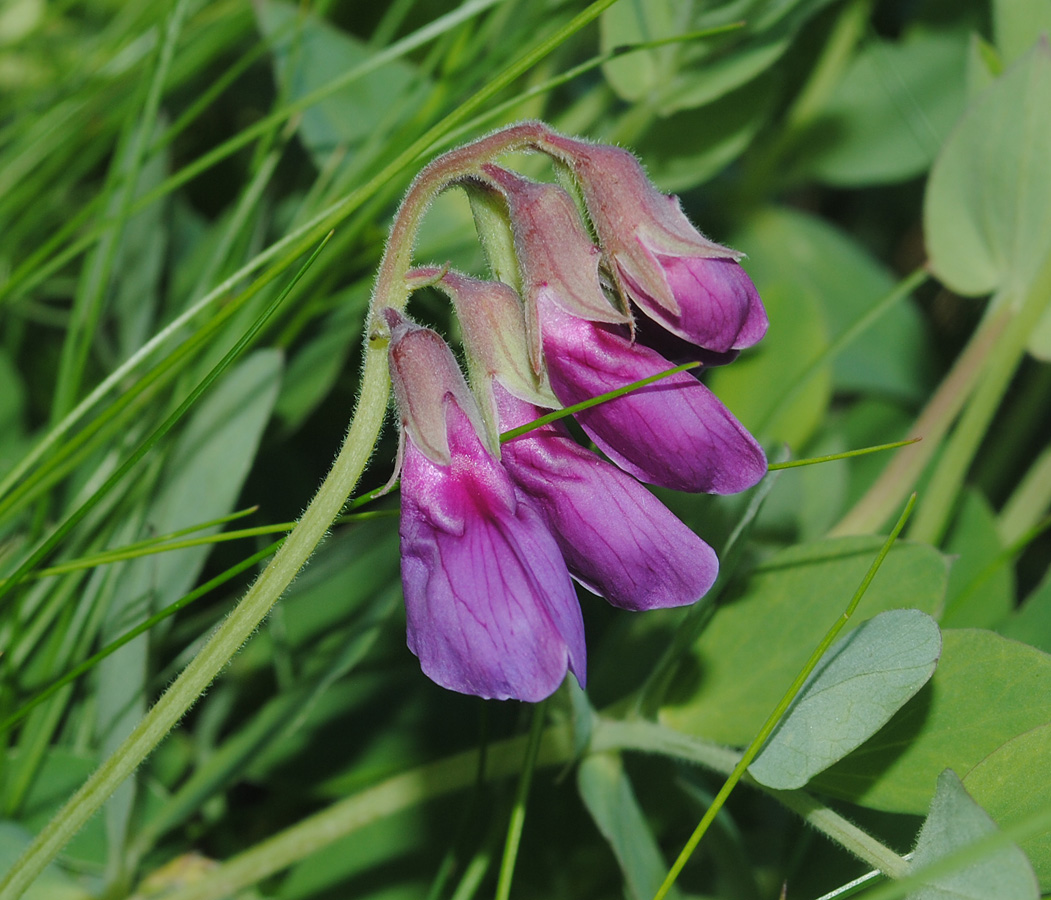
618	540
690	285
491	609
674	433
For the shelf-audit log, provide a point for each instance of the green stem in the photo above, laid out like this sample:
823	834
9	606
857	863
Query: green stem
1028	502
757	743
900	476
505	758
939	499
514	828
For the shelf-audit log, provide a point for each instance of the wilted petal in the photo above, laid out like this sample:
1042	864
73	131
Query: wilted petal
674	433
491	610
617	538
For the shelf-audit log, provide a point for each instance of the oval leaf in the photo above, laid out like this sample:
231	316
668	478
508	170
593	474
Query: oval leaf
987	690
956	821
997	783
987	211
758	643
859	684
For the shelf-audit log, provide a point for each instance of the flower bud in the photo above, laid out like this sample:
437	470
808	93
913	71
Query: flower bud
692	286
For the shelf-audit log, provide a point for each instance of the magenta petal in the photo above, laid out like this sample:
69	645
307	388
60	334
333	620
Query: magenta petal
674	433
617	538
491	610
719	307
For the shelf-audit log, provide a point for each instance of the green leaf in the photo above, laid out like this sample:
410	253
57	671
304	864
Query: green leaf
753	387
987	210
309	53
688	148
634	76
956	821
711	69
860	683
1017	24
986	690
756	644
689	75
608	795
1001	784
821	262
203	475
981	581
1031	623
891	111
695	87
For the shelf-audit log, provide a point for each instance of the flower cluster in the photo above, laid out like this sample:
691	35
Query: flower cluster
492	533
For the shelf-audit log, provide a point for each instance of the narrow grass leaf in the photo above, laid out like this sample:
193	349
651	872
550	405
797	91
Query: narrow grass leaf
610	799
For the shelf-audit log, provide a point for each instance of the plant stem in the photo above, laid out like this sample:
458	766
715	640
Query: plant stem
459	772
514	828
757	743
939	500
900	476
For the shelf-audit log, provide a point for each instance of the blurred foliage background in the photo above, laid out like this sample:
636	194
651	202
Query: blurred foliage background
166	168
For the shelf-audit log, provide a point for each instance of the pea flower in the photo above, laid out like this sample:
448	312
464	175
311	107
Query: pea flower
690	285
617	539
490	606
674	433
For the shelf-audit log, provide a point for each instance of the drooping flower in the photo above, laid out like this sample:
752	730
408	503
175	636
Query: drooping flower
674	433
490	606
618	539
690	285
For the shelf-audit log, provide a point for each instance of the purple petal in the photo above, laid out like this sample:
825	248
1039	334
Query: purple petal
491	610
617	538
719	307
674	433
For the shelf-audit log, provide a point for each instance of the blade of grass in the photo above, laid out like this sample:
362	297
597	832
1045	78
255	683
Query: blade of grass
89	300
593	401
518	811
318	517
56	537
170	610
779	710
848	454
